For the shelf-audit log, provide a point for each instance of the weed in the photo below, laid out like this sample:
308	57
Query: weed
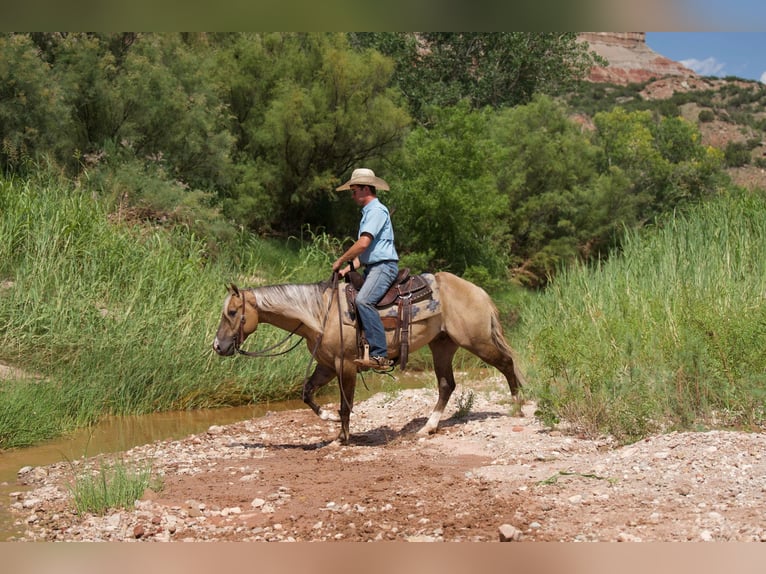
113	485
464	404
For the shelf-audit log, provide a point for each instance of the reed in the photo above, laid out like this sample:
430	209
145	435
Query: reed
668	335
118	318
106	316
112	485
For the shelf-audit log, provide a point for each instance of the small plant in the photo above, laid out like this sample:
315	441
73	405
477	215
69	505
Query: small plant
112	486
464	404
736	154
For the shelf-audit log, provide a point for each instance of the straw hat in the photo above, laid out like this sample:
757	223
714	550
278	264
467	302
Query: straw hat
364	176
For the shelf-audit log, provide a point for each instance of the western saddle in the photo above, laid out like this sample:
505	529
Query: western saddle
404	291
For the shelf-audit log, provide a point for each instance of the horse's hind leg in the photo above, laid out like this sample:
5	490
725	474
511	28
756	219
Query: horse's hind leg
442	349
319	378
496	352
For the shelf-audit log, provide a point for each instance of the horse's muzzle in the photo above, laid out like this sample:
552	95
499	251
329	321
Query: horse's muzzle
225	350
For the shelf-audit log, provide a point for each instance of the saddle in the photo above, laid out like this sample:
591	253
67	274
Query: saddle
404	291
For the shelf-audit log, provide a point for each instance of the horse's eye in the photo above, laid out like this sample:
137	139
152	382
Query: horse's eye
232	313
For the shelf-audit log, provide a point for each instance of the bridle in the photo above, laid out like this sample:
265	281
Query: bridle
267	351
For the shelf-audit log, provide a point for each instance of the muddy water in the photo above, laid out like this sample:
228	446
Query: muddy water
116	434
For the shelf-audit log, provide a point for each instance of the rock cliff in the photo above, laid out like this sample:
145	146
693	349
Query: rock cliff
630	59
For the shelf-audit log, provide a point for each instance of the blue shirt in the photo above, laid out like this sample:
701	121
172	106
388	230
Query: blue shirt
376	222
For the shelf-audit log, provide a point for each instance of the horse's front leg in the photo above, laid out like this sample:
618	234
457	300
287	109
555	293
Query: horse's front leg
347	384
319	378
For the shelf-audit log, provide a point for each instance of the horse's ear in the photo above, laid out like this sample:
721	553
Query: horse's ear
233	289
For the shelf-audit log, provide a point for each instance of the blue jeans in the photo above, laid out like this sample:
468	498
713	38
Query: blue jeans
378	278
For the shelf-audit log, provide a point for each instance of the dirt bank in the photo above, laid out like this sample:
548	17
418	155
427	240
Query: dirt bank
486	476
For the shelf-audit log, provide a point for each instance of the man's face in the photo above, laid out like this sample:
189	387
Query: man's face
359	193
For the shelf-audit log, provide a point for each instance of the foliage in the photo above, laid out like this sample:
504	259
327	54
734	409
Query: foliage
464	402
663	160
736	154
306	110
548	172
444	194
487	69
33	115
668	335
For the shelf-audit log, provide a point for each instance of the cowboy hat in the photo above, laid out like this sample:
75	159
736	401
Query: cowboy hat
364	176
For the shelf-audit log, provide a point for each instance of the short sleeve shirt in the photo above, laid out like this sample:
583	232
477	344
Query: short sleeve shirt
376	222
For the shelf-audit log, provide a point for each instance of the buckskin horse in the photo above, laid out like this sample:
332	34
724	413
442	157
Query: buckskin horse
466	317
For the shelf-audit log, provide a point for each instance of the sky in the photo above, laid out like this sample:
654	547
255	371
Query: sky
740	54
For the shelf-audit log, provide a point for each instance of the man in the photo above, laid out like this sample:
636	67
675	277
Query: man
374	249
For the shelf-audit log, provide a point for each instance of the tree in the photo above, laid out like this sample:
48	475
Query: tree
173	110
306	111
549	175
488	68
445	204
33	115
663	160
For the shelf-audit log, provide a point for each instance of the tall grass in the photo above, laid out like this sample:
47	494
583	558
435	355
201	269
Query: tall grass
118	318
113	485
668	335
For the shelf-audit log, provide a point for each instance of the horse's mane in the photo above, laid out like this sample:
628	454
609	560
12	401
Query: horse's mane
288	296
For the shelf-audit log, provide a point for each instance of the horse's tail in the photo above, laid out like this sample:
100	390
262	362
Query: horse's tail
498	338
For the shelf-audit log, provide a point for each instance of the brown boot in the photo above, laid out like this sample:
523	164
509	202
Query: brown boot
376	363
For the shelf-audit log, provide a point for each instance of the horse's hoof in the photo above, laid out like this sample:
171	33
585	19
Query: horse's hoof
427	430
328	416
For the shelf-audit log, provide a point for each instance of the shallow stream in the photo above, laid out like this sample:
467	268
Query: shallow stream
116	434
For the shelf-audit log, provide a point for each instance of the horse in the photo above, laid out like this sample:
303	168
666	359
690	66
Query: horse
468	319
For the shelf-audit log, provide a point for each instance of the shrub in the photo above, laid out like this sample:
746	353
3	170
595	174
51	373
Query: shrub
736	154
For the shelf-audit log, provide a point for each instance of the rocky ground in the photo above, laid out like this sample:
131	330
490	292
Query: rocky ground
487	476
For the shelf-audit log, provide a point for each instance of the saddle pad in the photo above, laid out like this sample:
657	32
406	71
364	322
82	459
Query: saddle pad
420	310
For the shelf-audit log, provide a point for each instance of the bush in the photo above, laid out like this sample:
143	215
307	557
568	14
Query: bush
706	116
736	154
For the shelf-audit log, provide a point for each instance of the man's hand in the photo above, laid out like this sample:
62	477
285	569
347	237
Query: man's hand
337	265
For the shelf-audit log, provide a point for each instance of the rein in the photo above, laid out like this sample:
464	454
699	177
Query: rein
267	351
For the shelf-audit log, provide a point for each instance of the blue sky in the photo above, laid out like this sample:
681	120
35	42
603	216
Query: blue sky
741	54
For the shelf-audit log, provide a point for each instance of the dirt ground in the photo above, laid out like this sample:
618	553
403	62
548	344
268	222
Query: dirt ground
493	474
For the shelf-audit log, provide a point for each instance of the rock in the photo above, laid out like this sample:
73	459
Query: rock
631	61
509	533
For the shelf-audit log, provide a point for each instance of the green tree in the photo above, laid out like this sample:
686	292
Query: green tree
174	114
488	68
445	204
548	174
86	69
662	159
306	110
33	115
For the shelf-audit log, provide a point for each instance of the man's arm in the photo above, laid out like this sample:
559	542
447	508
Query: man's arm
353	253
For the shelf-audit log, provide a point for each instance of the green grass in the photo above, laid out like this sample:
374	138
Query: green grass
113	485
119	319
668	335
